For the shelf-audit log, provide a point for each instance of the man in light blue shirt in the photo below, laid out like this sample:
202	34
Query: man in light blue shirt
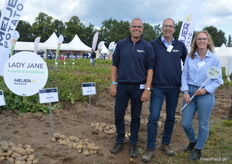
166	83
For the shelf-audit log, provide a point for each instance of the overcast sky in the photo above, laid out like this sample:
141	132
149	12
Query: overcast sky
217	13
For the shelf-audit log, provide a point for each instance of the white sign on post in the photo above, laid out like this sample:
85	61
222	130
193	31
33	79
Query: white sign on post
2	100
25	73
48	95
89	88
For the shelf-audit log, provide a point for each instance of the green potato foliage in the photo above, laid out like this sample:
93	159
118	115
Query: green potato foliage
68	79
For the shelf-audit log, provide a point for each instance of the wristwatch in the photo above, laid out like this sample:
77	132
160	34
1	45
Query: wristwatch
148	88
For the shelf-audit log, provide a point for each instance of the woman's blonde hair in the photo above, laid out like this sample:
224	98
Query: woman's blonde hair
194	47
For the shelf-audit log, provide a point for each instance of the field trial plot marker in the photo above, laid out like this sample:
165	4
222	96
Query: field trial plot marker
49	95
89	89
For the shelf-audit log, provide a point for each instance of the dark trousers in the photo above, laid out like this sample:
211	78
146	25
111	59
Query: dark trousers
126	92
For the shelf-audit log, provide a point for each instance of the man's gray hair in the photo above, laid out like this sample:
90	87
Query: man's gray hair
136	19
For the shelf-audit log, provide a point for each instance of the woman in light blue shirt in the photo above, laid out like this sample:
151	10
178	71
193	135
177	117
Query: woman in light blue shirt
199	60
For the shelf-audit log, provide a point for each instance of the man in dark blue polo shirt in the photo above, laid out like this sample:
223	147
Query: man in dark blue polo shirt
131	77
166	85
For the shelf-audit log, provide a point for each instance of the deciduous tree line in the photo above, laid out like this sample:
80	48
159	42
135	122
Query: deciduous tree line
111	30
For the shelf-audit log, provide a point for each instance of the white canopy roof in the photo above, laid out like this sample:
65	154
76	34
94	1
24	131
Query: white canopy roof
75	45
24	46
102	47
225	57
51	44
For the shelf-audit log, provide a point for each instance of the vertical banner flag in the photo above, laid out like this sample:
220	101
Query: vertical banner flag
11	13
14	36
36	44
60	41
187	28
95	38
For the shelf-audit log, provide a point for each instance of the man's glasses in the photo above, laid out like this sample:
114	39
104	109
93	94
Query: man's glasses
200	39
136	26
168	26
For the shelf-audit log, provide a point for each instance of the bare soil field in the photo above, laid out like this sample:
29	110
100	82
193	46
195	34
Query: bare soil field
75	120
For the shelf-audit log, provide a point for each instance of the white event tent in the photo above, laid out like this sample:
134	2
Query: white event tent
225	57
75	45
104	49
24	46
51	44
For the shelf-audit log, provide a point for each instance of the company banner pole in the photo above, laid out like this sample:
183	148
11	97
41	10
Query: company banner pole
60	41
57	53
12	47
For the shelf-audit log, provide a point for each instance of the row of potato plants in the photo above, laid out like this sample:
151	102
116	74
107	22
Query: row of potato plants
68	78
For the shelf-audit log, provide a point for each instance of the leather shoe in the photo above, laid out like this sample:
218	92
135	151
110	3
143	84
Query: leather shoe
133	151
117	148
167	150
190	146
147	156
196	154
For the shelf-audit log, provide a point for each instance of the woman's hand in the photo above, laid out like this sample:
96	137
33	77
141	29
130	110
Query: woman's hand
201	91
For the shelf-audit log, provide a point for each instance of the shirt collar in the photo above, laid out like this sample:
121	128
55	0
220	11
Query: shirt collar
208	53
132	41
164	41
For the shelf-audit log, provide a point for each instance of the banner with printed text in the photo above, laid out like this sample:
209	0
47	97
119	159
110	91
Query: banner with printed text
189	22
11	13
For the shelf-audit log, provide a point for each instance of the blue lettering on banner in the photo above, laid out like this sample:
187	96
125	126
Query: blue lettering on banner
184	32
185	36
9	21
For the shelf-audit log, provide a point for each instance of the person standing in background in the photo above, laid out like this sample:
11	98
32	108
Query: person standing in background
92	57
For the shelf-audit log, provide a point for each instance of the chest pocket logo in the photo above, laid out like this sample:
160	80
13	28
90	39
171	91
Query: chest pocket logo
175	50
140	51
